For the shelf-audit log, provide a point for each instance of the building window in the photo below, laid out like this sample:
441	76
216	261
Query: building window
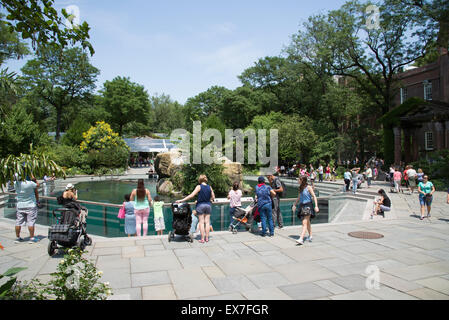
428	140
427	90
403	95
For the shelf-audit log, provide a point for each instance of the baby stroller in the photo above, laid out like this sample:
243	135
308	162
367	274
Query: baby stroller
244	217
182	221
68	230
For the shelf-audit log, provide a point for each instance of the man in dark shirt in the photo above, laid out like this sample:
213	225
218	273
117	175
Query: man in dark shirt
276	185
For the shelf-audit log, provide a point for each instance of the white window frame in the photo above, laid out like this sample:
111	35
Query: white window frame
403	95
428	140
427	90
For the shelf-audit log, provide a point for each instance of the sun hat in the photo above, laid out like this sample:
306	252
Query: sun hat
69	186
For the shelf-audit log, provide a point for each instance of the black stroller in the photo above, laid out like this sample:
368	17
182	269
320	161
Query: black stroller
244	217
69	231
182	221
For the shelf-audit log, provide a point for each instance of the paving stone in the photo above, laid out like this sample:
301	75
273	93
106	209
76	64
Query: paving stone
157	263
260	245
127	294
304	291
304	253
428	243
196	261
304	272
398	283
358	295
428	294
107	251
160	292
114	243
415	272
191	282
226	296
149	279
133	252
386	293
332	287
148	242
268	280
242	266
159	253
213	272
436	283
112	262
409	257
276	259
353	282
153	247
117	278
266	294
235	283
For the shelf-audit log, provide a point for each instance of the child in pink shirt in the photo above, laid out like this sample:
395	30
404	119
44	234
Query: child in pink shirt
397	177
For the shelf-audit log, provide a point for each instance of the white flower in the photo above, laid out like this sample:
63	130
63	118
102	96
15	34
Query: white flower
62	261
109	292
106	284
100	273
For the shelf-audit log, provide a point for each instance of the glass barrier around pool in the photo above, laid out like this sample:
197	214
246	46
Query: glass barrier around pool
102	218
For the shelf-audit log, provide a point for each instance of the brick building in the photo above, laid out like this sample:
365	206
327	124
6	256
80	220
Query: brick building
425	128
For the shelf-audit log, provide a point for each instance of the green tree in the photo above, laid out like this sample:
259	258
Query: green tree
60	78
125	101
38	21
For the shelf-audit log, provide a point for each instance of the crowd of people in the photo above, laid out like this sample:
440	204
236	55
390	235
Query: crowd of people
141	162
137	204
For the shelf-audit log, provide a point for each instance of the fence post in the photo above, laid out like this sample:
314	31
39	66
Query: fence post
105	224
221	217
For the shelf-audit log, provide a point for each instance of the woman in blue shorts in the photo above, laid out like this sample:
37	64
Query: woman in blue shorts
203	205
425	190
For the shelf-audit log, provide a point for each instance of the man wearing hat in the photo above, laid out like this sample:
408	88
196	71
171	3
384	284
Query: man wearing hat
276	185
264	194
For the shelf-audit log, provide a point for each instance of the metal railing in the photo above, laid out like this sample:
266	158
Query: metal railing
102	219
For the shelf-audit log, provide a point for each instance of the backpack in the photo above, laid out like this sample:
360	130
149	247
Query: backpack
283	194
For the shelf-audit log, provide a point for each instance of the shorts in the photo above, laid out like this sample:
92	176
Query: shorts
26	216
424	201
412	182
159	224
305	209
203	208
384	208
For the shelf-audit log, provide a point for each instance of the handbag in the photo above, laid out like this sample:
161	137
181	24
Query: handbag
121	212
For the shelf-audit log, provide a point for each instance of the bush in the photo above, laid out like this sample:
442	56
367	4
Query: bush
76	278
214	172
436	167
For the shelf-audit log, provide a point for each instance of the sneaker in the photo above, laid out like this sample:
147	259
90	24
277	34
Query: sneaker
33	240
308	239
262	234
300	241
18	240
271	235
428	215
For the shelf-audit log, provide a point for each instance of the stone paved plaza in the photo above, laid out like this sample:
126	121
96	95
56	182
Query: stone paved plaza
413	259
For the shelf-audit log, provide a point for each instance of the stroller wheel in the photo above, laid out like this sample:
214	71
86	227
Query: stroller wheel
87	240
52	246
80	243
170	236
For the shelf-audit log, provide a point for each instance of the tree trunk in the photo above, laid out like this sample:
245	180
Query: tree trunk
58	123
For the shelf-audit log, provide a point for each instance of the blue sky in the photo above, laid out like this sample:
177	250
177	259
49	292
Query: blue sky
182	48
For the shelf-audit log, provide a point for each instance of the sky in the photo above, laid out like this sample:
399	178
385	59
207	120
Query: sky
182	48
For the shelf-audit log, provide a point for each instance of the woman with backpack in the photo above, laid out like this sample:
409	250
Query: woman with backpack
306	210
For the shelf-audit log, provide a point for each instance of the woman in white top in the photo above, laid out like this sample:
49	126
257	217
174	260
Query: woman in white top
235	196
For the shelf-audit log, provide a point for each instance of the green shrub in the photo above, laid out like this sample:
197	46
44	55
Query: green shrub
214	172
436	166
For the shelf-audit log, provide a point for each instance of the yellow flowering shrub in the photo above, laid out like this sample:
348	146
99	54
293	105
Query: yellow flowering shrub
100	137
